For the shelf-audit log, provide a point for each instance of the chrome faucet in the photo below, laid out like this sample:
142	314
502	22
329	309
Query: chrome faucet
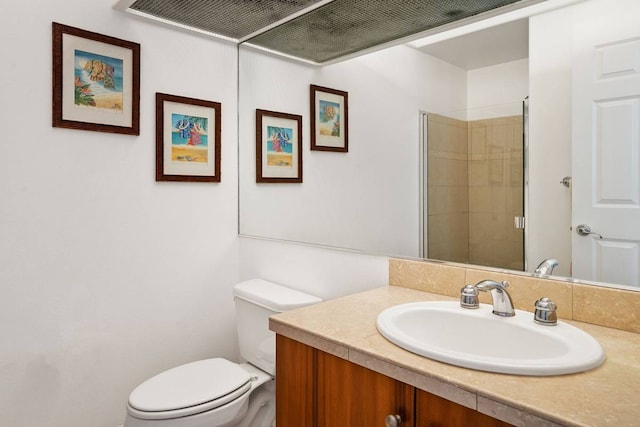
546	267
502	305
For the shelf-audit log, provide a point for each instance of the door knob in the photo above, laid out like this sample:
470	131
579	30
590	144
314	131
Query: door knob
585	230
392	421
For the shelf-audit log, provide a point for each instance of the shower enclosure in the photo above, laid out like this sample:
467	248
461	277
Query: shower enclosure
474	180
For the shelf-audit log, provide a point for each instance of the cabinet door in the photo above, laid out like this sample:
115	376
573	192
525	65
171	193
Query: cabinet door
295	367
350	395
434	411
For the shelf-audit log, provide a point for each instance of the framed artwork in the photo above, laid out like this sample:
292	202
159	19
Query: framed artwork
96	81
329	119
278	147
187	139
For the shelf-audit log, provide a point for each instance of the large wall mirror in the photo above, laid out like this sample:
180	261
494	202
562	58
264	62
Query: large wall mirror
454	111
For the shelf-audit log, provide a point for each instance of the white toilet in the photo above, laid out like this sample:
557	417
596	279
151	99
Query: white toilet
217	392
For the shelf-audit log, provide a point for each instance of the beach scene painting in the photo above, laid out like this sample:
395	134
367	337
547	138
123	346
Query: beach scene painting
329	118
279	147
189	138
330	123
98	81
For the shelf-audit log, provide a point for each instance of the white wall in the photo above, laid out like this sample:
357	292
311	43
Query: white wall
318	271
550	138
497	90
106	277
368	198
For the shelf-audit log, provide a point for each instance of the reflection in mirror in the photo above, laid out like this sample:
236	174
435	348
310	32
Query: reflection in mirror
581	90
340	28
475	188
369	198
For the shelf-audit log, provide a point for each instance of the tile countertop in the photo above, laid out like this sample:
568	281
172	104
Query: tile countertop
605	396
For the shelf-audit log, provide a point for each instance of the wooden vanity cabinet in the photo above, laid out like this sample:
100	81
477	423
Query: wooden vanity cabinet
316	389
435	411
295	383
350	395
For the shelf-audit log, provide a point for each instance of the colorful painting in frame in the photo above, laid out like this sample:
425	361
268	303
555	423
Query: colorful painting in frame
278	147
329	119
188	136
96	81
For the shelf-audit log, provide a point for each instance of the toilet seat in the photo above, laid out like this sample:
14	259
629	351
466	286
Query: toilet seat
189	389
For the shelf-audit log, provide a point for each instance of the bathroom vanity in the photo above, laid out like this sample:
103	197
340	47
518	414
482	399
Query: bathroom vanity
325	390
334	368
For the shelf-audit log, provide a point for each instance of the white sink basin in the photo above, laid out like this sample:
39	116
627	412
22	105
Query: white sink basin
478	339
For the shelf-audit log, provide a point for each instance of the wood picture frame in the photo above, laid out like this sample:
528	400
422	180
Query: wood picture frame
96	81
188	139
278	147
329	119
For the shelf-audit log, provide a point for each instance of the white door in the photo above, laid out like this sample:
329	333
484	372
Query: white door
606	142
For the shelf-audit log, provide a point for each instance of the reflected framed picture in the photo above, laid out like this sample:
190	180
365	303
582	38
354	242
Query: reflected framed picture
329	119
187	139
278	147
96	81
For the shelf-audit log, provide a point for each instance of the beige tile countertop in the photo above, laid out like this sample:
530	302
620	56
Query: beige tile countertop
605	396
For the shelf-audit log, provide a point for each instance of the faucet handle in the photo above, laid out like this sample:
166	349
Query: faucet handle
545	313
469	297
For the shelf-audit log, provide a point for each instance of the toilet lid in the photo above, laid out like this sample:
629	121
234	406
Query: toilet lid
210	381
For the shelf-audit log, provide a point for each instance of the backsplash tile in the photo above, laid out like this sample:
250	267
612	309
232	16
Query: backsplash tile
427	277
613	308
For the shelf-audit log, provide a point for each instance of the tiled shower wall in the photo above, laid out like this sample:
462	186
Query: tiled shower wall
475	189
496	192
448	189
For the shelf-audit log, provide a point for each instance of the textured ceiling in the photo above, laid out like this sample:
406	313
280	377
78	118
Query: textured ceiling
334	29
344	27
230	18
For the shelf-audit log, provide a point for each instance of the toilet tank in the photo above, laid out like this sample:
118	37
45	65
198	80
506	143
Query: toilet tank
255	301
